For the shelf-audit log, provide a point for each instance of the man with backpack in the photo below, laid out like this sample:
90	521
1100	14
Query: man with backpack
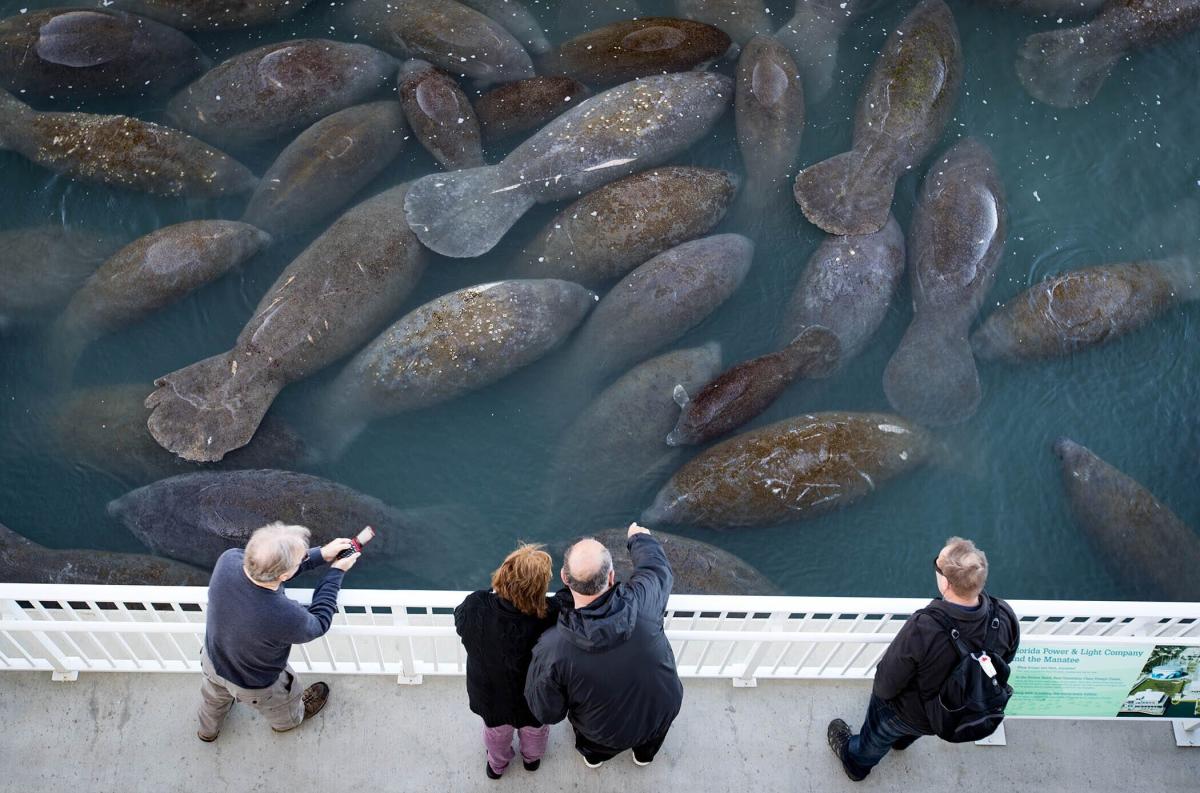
945	673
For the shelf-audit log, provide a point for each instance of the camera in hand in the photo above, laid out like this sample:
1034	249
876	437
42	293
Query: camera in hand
357	542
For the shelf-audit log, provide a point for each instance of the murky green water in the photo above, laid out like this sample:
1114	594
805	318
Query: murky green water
1116	180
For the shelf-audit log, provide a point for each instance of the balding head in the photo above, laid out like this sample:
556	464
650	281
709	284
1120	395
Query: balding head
587	567
275	551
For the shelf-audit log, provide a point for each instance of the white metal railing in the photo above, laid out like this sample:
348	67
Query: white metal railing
67	629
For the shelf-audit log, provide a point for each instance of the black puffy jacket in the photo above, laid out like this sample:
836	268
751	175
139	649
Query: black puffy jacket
499	640
608	666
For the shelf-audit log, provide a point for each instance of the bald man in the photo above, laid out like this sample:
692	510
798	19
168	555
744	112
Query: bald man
606	665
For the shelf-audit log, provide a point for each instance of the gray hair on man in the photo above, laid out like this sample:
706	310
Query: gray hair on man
590	575
275	550
964	566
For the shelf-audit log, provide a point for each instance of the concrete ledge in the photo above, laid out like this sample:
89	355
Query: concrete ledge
134	733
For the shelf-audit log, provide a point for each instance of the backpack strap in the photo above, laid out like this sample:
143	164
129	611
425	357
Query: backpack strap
944	620
992	632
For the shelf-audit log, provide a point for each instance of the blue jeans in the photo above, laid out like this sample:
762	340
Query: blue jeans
881	730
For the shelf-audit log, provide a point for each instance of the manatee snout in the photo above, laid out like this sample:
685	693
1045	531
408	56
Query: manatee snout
1066	449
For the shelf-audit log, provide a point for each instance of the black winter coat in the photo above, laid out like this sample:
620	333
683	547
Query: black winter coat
499	640
608	666
921	657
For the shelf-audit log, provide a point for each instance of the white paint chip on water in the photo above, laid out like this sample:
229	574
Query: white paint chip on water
1038	197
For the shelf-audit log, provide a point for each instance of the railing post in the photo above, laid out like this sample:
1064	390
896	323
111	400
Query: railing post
62	668
408	663
758	653
1187	732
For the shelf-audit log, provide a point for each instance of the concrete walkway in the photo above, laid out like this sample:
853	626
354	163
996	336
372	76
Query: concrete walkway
121	733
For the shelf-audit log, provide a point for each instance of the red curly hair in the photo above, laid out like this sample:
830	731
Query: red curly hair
523	578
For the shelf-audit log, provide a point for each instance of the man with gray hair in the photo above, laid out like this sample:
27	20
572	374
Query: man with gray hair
606	665
252	625
909	677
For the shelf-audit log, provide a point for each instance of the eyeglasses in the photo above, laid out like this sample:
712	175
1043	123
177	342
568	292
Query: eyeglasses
937	569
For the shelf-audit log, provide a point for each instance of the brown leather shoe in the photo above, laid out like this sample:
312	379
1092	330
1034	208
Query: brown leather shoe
315	697
206	738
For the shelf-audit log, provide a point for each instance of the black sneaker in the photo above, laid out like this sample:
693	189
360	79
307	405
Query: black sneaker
838	734
532	765
488	768
903	743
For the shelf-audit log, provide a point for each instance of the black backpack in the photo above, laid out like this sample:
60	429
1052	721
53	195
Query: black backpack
970	704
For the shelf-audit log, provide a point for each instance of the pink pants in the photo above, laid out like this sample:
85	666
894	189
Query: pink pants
498	741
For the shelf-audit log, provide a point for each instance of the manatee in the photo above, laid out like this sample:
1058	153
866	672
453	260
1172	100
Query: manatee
847	287
745	390
42	266
1084	308
1148	546
954	248
1066	67
625	129
104	428
610	231
526	105
635	48
579	16
659	302
121	151
333	297
797	468
212	14
769	113
613	452
24	561
908	99
517	19
457	343
325	167
270	91
698	567
812	36
741	19
446	33
441	116
198	516
86	52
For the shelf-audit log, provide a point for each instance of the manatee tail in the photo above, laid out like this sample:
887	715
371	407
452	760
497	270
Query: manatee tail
208	409
1184	275
931	377
336	423
63	350
1065	68
465	213
12	113
847	194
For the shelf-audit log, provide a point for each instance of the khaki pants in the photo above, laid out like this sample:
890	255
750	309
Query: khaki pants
282	702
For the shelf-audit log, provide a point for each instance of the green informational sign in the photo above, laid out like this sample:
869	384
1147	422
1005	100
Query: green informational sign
1105	680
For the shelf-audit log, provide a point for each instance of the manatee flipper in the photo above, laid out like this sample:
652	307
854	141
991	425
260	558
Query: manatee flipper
846	194
1065	68
208	409
932	378
465	213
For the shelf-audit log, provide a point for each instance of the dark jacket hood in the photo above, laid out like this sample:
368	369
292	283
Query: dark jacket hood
602	624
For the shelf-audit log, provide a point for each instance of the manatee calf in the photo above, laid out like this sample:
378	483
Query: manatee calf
121	151
196	517
24	561
698	567
908	98
104	428
623	130
793	469
812	36
1066	67
847	287
741	19
457	343
526	105
745	390
659	302
634	48
517	19
85	52
441	116
148	274
279	88
769	114
613	452
446	33
1148	546
1084	308
329	301
212	14
42	266
325	167
610	231
955	243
